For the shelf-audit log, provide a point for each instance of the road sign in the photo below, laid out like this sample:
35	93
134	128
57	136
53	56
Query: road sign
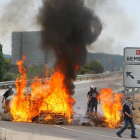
131	76
132	55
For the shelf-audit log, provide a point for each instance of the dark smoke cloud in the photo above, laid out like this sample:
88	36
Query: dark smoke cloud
68	28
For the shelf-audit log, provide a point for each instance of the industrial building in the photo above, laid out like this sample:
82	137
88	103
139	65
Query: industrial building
29	44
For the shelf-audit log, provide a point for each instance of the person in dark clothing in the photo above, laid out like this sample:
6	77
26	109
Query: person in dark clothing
7	93
94	100
89	94
127	110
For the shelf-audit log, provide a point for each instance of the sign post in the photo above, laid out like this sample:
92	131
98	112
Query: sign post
133	91
131	75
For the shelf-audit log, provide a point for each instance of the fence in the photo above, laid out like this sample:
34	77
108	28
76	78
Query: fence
99	76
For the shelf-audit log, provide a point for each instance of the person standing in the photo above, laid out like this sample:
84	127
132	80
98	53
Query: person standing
89	94
127	110
94	100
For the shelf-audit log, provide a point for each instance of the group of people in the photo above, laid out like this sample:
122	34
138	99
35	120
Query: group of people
93	100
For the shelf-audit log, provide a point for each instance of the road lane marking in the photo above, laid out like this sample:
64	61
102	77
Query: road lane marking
99	80
117	90
89	87
91	133
97	86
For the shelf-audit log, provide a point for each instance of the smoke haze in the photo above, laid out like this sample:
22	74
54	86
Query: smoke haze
17	15
117	25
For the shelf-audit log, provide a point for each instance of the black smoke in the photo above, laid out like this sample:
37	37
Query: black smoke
68	27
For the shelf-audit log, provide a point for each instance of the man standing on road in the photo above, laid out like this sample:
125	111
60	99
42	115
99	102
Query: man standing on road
127	110
7	93
89	94
94	100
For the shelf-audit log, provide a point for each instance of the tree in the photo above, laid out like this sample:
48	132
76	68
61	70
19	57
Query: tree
92	67
7	63
2	70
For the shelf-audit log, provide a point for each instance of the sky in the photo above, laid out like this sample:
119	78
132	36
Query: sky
120	19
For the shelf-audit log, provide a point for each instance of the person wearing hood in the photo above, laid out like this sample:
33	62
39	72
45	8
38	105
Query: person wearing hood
128	118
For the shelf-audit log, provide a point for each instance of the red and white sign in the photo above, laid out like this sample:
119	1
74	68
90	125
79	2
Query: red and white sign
137	52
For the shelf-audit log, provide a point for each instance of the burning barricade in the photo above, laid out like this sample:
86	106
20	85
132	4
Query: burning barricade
50	97
68	27
49	102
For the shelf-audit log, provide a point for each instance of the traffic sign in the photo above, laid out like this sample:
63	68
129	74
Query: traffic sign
132	55
131	76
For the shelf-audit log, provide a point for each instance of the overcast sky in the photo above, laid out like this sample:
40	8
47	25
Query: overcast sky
120	19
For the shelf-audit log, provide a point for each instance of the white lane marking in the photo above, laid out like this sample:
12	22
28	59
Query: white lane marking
91	133
118	84
89	87
117	90
81	82
97	86
81	89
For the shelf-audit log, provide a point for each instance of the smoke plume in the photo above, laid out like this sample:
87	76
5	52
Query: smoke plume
68	28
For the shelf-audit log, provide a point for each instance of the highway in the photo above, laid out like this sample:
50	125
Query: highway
32	131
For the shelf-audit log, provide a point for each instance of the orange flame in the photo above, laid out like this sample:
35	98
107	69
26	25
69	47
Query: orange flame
111	106
77	66
51	97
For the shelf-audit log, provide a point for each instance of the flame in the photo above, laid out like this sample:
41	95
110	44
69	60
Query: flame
51	97
111	106
77	66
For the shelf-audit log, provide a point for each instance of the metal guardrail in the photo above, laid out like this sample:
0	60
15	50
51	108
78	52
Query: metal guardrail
79	77
100	75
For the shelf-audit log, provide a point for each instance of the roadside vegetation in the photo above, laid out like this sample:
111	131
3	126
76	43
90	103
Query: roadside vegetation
32	71
93	67
5	75
2	67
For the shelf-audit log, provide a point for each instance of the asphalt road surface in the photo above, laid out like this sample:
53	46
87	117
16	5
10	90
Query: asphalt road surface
66	132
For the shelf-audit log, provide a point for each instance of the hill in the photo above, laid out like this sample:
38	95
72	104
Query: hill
7	56
110	62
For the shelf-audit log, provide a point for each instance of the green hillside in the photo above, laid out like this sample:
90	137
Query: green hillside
110	62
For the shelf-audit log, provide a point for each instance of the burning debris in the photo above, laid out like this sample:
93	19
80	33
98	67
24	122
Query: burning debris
49	103
111	105
48	97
